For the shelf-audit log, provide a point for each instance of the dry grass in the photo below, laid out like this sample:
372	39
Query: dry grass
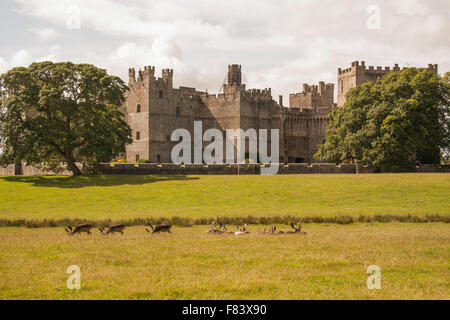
329	263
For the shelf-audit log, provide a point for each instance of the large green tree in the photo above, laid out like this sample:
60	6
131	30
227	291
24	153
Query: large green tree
61	113
391	123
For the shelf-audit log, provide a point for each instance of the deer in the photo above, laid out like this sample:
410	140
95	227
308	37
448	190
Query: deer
113	229
296	230
217	230
79	229
159	228
241	231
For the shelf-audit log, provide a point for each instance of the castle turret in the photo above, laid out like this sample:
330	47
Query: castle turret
132	75
234	82
167	75
234	74
359	74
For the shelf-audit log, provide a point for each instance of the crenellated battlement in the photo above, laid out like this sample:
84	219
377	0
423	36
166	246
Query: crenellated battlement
315	97
321	89
221	98
167	73
358	66
359	73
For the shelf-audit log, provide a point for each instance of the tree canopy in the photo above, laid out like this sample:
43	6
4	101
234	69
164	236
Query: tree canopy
54	113
392	123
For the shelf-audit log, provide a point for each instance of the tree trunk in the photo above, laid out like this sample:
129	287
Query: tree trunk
71	164
18	168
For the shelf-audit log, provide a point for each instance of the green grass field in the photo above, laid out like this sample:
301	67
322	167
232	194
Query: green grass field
329	263
125	197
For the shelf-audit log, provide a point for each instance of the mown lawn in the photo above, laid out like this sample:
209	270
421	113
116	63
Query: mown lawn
126	197
329	263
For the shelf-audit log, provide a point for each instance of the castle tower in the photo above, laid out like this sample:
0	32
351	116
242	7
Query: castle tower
359	74
131	75
167	75
234	80
234	75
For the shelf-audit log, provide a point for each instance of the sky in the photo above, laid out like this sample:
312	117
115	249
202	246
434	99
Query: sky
280	44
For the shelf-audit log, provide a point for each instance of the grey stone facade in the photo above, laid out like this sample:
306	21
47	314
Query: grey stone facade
154	109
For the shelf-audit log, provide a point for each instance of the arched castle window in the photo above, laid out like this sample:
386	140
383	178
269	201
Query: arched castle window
138	108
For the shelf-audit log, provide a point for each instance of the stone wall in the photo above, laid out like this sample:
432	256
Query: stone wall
31	171
221	169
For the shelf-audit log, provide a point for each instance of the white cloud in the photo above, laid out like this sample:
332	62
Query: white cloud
45	33
21	58
280	44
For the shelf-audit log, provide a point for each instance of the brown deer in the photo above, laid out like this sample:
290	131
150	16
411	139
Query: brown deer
217	230
159	228
79	229
113	229
241	231
297	230
273	230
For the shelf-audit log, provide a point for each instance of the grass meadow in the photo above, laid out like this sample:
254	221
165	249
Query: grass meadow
329	263
128	197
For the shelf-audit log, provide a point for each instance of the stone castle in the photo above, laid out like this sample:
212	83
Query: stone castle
154	109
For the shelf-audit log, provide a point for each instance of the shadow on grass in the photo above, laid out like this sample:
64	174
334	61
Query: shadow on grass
94	181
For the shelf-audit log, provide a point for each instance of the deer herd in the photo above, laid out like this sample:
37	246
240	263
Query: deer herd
216	228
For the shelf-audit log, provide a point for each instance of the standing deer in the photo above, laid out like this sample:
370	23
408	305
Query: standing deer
159	228
113	229
79	229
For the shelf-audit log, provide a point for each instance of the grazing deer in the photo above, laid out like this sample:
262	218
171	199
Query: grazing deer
159	228
79	229
113	229
241	231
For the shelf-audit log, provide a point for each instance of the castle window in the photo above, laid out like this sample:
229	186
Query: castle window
168	138
178	112
138	108
158	158
138	135
160	94
137	158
